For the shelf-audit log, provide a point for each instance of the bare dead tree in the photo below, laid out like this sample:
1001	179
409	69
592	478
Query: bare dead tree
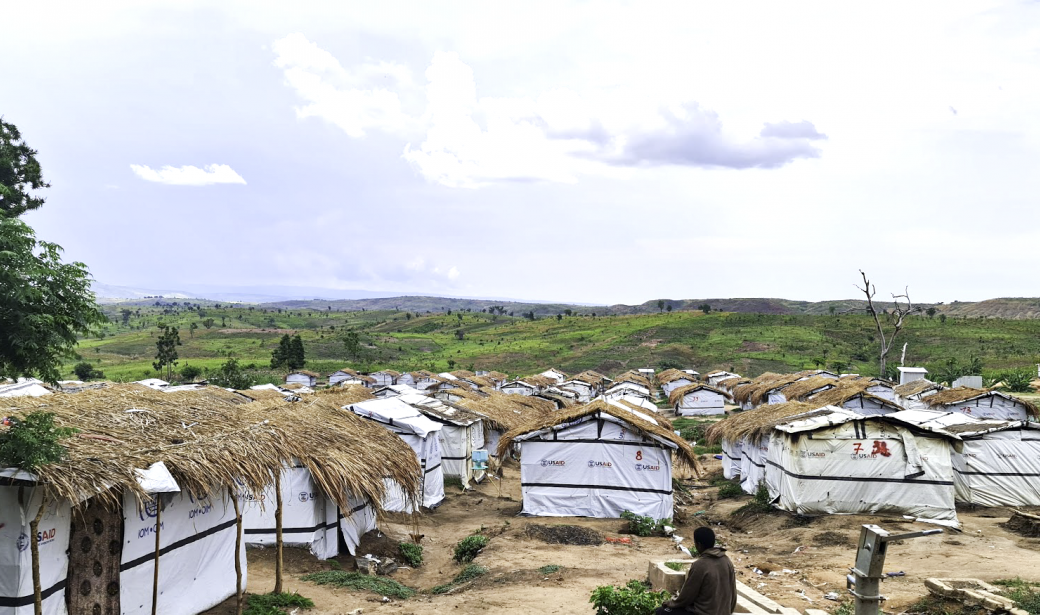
895	318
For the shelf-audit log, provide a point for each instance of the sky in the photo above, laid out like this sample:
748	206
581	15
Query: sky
595	152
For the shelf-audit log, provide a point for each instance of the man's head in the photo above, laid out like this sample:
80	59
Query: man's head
703	539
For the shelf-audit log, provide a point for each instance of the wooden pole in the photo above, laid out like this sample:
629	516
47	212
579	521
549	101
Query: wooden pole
34	541
278	532
155	572
238	550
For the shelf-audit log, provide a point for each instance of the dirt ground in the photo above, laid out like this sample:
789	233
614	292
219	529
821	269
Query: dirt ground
800	559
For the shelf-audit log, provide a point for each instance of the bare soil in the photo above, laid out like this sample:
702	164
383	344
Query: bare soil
799	559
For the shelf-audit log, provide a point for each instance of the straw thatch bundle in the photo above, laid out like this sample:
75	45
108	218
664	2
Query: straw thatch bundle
462	374
676	396
684	459
799	390
846	391
480	381
346	394
498	376
761	393
669	375
731	383
742	392
209	442
539	381
263	394
505	412
961	394
662	420
917	387
306	373
591	377
633	377
467	393
755	424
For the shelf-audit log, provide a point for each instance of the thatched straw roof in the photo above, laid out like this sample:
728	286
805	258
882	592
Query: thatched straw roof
497	376
346	394
841	394
465	393
661	419
917	387
504	411
462	373
539	381
668	375
633	377
263	394
962	394
388	372
755	424
761	393
305	373
799	390
731	383
676	396
591	377
480	381
208	442
683	459
742	392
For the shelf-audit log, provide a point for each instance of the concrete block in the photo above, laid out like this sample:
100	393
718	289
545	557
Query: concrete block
758	599
664	578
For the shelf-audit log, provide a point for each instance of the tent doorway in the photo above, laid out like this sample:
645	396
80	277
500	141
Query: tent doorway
95	549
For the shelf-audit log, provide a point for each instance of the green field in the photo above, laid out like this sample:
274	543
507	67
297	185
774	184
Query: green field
745	343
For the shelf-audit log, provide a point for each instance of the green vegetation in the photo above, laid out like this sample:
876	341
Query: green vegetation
635	598
1026	594
729	489
644	526
33	442
677	566
275	604
848	608
470	572
86	371
1018	381
411	553
454	481
759	503
355	580
469	547
550	569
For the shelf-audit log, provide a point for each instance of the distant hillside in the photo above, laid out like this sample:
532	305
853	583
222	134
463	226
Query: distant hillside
1013	308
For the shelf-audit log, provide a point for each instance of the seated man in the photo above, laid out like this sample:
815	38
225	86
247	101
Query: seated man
711	584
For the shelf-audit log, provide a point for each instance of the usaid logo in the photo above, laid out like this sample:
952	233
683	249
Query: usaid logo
23	542
600	464
811	454
307	497
42	537
559	463
643	467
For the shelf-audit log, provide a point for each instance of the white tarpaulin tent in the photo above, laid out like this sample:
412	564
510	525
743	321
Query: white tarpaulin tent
309	517
16	587
697	399
598	462
461	433
753	464
834	461
418	432
731	459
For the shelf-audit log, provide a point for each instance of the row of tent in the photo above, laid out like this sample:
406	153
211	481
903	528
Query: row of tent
823	443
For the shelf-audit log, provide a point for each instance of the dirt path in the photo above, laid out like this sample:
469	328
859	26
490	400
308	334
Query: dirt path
766	542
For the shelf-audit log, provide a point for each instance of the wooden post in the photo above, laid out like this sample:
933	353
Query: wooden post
238	550
278	532
34	541
155	572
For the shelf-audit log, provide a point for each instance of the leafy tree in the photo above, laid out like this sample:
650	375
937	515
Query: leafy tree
660	305
840	366
568	311
352	344
451	364
20	173
232	376
280	355
704	307
85	371
931	312
1018	380
559	317
166	350
942	318
460	334
190	373
297	358
668	308
125	314
44	303
208	323
192	327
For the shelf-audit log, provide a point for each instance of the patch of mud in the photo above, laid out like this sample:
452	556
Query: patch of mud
830	538
379	545
564	534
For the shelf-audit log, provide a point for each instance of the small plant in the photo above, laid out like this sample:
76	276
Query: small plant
275	604
550	568
355	580
32	442
1026	594
470	572
1018	380
845	608
644	526
758	504
730	490
411	553
635	598
677	566
469	547
454	481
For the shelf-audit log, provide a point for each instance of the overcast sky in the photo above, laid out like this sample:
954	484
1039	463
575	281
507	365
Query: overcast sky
594	152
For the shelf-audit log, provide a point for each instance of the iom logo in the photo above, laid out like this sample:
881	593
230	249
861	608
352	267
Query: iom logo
559	463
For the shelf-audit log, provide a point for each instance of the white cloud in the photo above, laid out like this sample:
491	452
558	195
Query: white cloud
349	100
189	175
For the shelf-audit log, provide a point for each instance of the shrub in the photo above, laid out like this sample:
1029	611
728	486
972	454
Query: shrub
411	553
469	547
678	566
470	572
644	526
85	371
275	604
1018	380
32	442
730	490
635	598
355	580
453	481
758	504
550	568
1025	594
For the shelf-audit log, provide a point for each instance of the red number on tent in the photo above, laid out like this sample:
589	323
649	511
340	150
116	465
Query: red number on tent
639	455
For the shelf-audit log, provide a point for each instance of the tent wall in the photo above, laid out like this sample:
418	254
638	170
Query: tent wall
197	547
999	469
359	520
457	445
731	459
866	407
668	387
863	467
990	407
701	403
596	469
309	517
753	465
16	587
428	450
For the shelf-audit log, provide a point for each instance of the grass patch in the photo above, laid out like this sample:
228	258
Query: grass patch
848	608
1026	594
469	547
454	481
708	450
759	503
729	489
470	572
932	605
275	604
550	568
355	580
677	566
411	553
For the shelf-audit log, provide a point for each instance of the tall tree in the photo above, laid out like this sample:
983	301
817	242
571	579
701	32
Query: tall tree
166	350
352	343
297	359
20	173
280	355
894	319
